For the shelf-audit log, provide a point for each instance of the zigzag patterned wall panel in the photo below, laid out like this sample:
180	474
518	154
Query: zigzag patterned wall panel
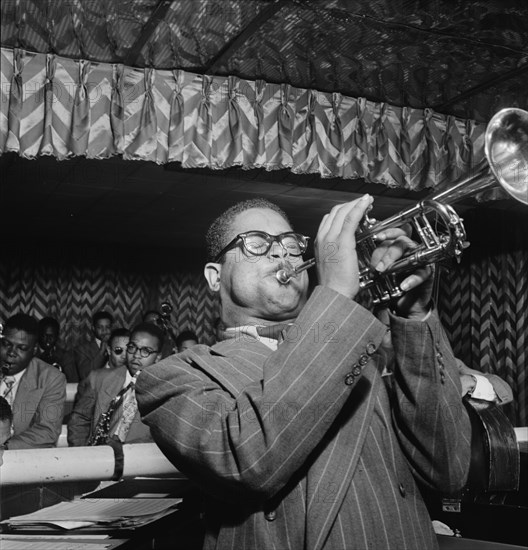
42	284
483	305
483	302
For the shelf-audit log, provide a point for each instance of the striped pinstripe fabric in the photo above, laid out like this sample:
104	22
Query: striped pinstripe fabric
291	456
62	107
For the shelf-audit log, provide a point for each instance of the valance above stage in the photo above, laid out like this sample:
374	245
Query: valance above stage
56	106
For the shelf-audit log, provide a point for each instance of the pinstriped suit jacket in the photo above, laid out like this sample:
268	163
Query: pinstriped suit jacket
290	455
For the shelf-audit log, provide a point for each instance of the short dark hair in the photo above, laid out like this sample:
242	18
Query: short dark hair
150	312
49	322
185	335
102	315
118	333
151	329
6	412
216	237
23	321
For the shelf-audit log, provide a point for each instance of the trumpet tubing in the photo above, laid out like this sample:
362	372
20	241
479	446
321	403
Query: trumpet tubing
506	150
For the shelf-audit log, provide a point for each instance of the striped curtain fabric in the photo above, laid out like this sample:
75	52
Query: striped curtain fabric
71	285
50	105
484	305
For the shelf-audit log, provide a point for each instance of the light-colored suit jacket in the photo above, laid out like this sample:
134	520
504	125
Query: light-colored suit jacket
38	407
94	395
305	447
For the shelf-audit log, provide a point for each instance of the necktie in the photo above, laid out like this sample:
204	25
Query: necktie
9	382
129	412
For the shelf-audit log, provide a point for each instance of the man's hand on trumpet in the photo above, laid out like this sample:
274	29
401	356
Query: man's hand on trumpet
394	243
335	246
337	261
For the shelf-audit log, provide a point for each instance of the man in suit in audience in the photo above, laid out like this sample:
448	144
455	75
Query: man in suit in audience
153	316
300	443
50	350
92	355
185	340
116	348
35	390
92	421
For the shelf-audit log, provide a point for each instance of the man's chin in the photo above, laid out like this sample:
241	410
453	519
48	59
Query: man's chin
288	302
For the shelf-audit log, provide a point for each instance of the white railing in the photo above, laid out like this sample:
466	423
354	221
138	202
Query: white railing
28	466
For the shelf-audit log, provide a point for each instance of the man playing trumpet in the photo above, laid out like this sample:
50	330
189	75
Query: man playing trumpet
298	436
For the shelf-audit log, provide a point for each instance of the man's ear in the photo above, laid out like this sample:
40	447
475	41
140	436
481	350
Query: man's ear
212	272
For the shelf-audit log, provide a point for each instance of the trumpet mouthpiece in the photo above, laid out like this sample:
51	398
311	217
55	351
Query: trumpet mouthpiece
284	276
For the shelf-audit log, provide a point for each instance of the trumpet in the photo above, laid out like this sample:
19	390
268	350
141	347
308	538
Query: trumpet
506	150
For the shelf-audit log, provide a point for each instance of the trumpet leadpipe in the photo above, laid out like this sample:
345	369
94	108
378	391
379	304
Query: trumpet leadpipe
284	276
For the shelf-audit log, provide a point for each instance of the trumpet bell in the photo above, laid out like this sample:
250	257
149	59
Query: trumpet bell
506	149
444	237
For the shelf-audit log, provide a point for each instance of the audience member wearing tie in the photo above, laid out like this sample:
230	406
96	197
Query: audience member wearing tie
105	405
35	390
91	355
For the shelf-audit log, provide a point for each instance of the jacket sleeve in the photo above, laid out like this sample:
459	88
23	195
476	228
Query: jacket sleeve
430	420
46	426
81	417
246	423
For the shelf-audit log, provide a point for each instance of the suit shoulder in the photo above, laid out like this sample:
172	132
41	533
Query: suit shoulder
101	375
46	369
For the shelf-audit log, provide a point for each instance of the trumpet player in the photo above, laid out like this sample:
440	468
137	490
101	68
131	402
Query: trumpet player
288	425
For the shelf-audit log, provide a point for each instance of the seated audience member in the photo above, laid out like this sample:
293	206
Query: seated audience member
35	390
91	355
185	340
50	351
153	316
116	348
105	405
483	386
6	421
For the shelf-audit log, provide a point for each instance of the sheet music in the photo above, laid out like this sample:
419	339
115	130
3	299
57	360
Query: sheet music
99	510
23	542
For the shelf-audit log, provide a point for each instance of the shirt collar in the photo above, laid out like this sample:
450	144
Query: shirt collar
245	331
